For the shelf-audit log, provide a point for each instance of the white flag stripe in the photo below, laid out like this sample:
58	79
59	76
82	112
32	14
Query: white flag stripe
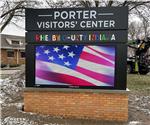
97	68
97	54
40	81
102	50
64	70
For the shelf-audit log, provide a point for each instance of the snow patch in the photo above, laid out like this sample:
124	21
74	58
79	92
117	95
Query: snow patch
141	103
53	124
17	121
134	123
12	87
18	105
1	80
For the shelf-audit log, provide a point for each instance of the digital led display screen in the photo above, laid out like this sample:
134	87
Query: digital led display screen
75	65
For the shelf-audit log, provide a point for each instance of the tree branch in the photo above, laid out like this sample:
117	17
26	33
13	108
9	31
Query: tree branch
110	3
96	3
124	3
7	21
85	3
138	4
15	8
12	10
17	15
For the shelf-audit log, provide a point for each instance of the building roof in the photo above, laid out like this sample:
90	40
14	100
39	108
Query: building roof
12	42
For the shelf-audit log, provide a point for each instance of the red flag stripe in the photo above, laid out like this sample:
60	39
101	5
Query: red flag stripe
57	77
95	59
98	76
103	54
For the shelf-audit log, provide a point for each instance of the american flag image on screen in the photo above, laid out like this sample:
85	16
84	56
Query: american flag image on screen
75	65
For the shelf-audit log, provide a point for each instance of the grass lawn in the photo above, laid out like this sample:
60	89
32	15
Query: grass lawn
139	83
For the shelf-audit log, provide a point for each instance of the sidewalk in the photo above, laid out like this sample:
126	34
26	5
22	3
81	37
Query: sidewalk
5	73
8	72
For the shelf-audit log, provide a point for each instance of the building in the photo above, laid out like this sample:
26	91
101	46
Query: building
12	49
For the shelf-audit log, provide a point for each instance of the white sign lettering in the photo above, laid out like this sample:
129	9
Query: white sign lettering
87	14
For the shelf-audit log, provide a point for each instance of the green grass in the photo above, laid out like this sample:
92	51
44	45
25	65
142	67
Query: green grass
139	83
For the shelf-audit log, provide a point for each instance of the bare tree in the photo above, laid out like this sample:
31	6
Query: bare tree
132	31
138	8
145	17
135	30
14	10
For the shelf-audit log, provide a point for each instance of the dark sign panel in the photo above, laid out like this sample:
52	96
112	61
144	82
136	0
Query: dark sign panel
76	47
77	19
77	36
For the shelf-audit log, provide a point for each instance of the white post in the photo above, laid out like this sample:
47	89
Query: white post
17	56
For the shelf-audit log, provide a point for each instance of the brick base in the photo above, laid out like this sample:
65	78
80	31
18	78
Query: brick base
82	104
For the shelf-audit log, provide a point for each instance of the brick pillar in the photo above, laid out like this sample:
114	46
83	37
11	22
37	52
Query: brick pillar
78	103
